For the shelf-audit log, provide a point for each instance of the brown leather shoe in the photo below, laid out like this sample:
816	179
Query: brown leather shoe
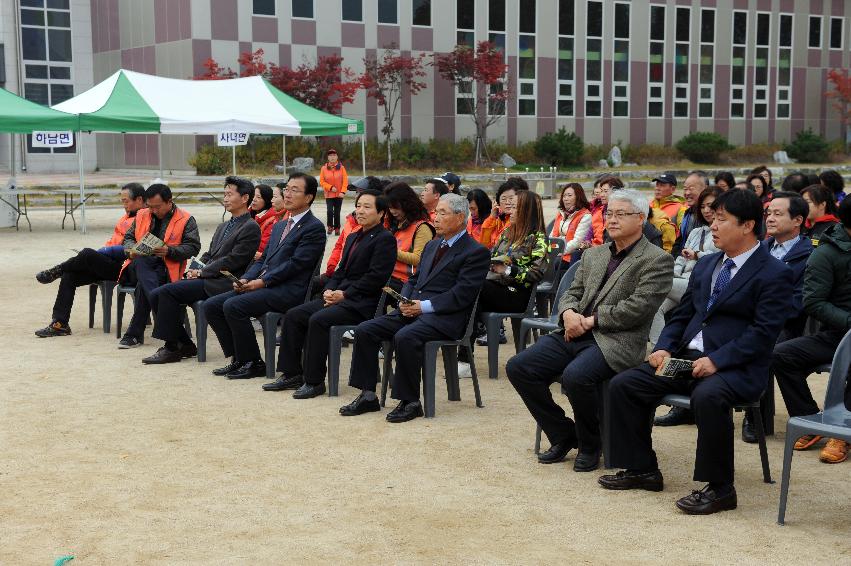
807	441
834	452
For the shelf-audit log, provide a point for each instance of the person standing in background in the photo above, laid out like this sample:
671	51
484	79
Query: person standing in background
334	181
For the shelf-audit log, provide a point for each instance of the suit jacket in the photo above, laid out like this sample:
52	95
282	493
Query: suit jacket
362	273
627	302
796	258
452	285
740	329
233	254
287	267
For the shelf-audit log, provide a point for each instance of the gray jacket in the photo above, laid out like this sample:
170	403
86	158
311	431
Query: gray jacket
626	303
234	254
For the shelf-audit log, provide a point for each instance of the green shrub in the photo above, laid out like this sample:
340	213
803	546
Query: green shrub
703	147
560	148
592	154
808	147
211	160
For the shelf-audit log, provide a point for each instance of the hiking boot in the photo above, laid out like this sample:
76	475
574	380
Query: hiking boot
55	328
128	342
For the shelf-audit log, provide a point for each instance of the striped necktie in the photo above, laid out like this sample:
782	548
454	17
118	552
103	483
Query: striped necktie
286	231
724	277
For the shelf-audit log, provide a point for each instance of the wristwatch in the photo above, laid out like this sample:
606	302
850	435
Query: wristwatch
508	270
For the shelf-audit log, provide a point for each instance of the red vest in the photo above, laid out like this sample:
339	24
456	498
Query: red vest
173	237
121	228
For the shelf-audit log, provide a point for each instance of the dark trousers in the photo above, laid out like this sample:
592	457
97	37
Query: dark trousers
150	273
793	362
306	327
168	303
85	268
634	396
333	207
409	336
496	297
229	315
580	367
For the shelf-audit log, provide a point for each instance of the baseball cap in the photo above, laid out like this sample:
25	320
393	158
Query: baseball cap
360	184
666	178
451	178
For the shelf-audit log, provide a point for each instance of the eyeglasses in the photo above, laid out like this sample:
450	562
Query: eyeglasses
293	191
620	214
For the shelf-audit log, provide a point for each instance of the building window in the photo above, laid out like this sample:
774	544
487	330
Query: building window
353	10
264	8
47	57
496	35
388	11
836	27
656	63
620	66
526	84
303	8
737	74
815	32
594	60
784	67
564	79
465	22
760	95
681	62
706	94
421	12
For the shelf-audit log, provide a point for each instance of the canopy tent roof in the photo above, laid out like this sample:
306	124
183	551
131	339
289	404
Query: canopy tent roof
129	101
20	116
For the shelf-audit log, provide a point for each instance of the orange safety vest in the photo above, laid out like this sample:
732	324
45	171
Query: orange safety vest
173	237
571	227
121	228
405	242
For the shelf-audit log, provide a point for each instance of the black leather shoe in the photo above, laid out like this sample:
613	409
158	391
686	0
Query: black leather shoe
706	502
248	370
284	383
227	369
405	411
309	391
163	356
626	479
49	275
675	417
360	406
557	452
188	350
586	461
748	431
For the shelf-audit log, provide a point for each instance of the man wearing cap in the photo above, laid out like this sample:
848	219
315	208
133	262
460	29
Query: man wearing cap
453	182
666	201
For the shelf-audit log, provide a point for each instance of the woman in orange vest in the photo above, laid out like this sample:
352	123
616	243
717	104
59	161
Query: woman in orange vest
573	220
335	182
411	226
480	209
500	218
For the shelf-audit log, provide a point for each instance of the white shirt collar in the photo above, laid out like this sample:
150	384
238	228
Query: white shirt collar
297	218
740	259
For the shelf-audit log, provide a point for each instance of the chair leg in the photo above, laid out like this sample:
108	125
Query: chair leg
515	331
119	313
186	324
93	299
335	347
538	439
523	336
542	304
767	408
492	327
387	374
270	331
605	425
106	291
429	371
788	452
201	331
756	417
475	376
450	370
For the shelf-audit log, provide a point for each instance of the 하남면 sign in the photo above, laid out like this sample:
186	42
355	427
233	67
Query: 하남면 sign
52	139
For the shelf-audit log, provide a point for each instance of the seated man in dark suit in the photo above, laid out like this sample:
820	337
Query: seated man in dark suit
90	266
605	318
179	233
276	282
350	296
231	249
735	305
452	270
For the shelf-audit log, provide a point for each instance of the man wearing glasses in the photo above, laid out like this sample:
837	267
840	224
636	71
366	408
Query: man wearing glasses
276	282
605	320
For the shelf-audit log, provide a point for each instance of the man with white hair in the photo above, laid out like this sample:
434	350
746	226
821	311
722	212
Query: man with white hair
452	269
605	320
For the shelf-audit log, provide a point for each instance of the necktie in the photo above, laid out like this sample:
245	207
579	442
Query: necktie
721	282
286	230
438	255
228	228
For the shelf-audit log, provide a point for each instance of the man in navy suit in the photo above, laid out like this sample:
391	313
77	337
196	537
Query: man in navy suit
277	281
452	269
733	310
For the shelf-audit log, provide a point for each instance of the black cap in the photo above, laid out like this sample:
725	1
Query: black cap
451	178
666	178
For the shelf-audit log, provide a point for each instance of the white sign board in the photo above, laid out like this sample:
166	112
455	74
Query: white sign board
232	138
53	139
353	128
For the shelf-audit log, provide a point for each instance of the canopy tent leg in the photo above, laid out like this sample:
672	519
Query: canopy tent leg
160	152
233	158
363	154
284	154
82	183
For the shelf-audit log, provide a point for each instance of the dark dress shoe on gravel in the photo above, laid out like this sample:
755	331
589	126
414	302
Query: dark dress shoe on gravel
284	383
675	417
309	391
628	479
188	350
360	406
163	356
749	431
248	370
49	275
586	461
707	501
227	369
405	411
557	452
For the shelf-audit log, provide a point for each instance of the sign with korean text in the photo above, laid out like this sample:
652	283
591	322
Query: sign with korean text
229	139
53	139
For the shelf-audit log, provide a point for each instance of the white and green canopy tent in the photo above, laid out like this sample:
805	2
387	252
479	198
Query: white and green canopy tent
20	116
132	102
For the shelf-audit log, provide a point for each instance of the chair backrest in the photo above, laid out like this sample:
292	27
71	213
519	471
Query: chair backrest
554	266
835	410
316	271
472	320
563	286
382	304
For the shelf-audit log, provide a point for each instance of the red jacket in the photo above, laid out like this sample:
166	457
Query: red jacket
334	180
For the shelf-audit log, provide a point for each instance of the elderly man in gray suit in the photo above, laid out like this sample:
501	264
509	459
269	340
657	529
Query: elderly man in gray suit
605	321
231	249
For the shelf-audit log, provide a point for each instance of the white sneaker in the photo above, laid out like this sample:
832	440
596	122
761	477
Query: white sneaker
464	370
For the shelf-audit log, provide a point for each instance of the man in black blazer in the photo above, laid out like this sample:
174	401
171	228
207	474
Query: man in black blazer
277	281
231	249
733	310
451	271
350	296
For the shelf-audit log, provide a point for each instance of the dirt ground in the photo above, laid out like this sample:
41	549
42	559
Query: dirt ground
118	463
